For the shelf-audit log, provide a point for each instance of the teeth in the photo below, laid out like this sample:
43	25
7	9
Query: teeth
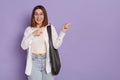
39	20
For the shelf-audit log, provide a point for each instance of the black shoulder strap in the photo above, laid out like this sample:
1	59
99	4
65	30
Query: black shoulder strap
49	32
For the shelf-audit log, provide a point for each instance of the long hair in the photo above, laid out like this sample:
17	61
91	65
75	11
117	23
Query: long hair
45	21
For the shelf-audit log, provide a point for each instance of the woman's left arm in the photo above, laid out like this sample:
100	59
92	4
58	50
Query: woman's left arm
58	39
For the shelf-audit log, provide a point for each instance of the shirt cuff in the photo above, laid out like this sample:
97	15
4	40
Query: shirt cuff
62	34
31	36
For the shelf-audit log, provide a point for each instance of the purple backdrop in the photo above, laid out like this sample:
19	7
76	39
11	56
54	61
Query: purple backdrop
91	48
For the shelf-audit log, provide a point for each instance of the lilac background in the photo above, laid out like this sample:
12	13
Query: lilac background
91	48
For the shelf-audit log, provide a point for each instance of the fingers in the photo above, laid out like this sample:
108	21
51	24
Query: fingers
37	32
66	26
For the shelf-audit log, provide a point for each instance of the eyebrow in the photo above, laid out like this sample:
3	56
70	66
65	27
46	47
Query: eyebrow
37	12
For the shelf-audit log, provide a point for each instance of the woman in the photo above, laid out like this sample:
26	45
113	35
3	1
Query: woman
35	40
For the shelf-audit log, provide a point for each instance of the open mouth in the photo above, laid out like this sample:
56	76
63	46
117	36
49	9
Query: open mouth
39	20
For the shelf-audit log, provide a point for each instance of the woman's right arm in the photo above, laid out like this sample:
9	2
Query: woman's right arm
27	38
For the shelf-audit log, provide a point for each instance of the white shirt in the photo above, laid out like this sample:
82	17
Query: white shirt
26	45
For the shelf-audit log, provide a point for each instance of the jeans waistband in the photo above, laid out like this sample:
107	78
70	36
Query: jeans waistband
38	57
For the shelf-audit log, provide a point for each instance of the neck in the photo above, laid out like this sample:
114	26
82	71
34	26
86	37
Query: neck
39	25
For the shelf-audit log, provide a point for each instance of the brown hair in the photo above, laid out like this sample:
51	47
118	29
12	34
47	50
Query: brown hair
45	21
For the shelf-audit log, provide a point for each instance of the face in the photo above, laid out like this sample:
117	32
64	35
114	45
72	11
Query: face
39	16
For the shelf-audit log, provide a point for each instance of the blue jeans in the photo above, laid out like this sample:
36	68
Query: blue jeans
38	69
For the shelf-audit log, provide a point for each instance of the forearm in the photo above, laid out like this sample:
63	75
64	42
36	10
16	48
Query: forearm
59	40
26	41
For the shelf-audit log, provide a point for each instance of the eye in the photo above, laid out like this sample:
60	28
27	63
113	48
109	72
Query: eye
36	14
41	13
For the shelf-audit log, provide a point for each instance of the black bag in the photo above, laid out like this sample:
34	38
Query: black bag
54	55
